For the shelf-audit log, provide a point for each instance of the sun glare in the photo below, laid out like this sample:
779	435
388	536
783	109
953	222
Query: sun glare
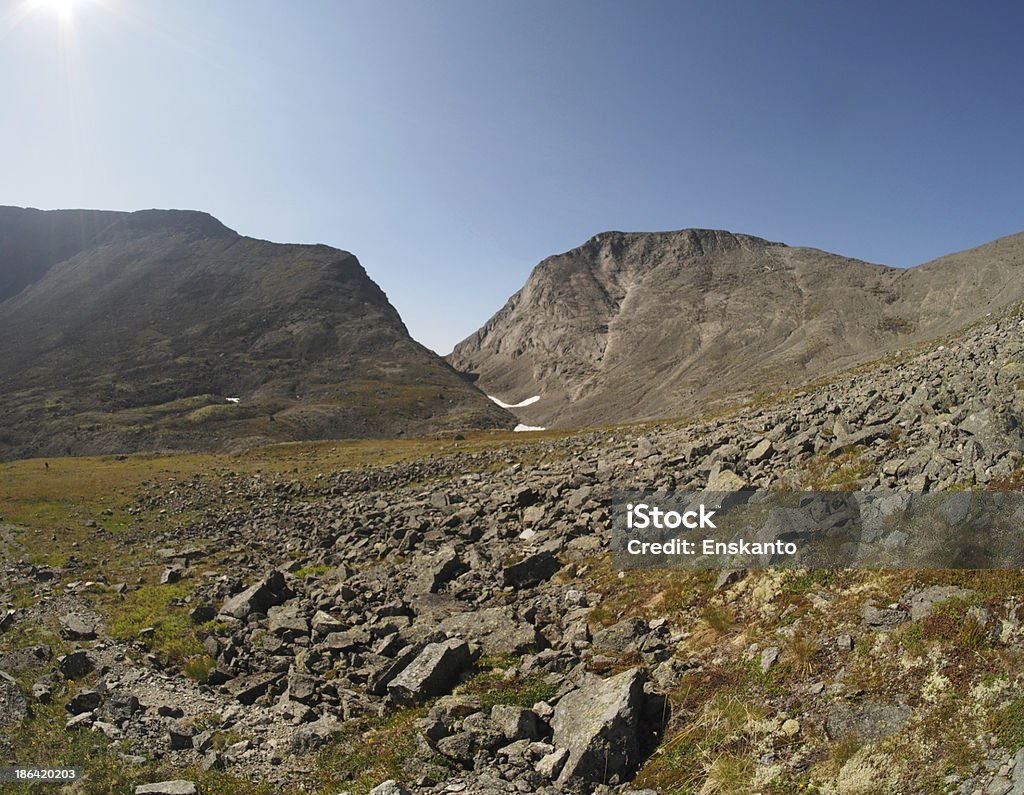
63	10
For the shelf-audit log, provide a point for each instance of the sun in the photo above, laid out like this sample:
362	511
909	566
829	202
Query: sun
64	10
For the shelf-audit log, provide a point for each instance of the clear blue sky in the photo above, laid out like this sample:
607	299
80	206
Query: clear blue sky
453	144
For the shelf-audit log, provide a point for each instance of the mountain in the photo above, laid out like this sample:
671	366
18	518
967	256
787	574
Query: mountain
633	326
166	329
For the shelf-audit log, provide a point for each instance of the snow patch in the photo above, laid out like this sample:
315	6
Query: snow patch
522	427
528	402
232	400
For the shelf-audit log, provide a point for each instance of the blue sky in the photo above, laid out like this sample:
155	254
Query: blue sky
451	145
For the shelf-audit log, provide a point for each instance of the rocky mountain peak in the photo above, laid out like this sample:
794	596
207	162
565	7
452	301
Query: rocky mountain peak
632	326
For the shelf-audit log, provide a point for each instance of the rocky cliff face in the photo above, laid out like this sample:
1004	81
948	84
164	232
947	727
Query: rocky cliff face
634	326
129	331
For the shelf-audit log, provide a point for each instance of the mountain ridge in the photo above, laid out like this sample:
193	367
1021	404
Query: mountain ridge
141	334
728	315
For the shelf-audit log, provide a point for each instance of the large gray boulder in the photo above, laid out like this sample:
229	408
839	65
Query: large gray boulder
77	627
432	673
498	630
599	725
258	598
531	570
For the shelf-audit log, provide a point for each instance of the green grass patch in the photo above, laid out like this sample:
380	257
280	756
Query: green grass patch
1008	724
155	606
312	571
368	751
493	688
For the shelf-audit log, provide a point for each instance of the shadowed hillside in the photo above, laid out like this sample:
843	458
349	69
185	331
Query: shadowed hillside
132	331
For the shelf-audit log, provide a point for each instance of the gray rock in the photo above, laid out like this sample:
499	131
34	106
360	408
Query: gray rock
287	619
624	636
178	740
882	617
515	723
599	726
645	448
302	688
437	570
324	623
923	602
761	451
550	765
389	787
246	689
75	664
728	577
868	720
432	673
725	480
76	627
498	630
348	640
768	658
863	436
257	598
175	787
13	704
460	748
531	570
85	701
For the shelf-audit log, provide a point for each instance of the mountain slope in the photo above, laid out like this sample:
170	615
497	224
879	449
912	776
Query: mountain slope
138	337
639	325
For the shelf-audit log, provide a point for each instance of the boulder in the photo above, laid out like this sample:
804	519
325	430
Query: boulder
287	619
13	704
389	787
175	787
725	480
514	723
246	689
498	630
432	673
85	701
75	664
599	725
867	720
302	688
76	627
625	636
258	598
531	570
875	616
324	623
436	570
923	602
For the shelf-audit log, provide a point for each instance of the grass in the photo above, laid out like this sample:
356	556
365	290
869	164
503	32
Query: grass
646	594
160	607
1007	724
706	750
312	571
842	472
368	751
492	687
